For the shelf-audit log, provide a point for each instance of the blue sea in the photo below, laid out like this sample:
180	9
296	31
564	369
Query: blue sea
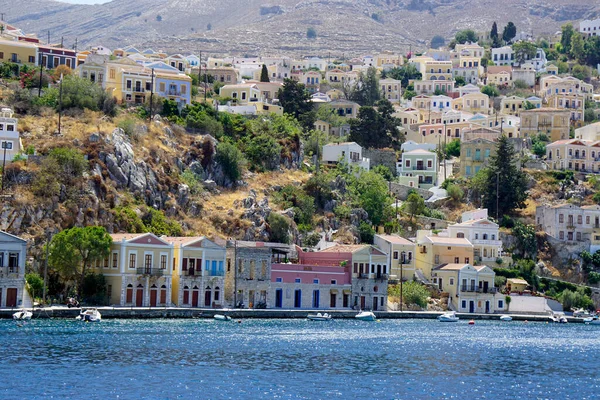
298	359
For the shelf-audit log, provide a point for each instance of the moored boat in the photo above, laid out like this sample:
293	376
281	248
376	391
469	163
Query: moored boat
505	318
22	315
593	320
222	317
448	317
318	317
90	315
365	316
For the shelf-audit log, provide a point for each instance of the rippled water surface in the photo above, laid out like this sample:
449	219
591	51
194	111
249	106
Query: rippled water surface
205	359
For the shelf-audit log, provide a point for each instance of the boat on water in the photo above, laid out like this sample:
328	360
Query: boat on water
558	318
505	318
318	317
448	317
581	313
89	315
22	315
593	320
222	317
365	316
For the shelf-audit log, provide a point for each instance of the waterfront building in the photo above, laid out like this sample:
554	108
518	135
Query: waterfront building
481	232
436	249
471	288
13	253
401	255
198	278
137	270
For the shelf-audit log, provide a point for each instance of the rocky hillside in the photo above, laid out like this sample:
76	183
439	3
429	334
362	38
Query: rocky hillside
260	27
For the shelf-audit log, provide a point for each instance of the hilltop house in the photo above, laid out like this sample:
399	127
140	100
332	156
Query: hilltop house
10	140
350	152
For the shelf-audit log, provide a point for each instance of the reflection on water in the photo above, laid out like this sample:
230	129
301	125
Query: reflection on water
297	359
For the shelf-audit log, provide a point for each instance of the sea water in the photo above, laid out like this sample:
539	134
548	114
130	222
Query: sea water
297	359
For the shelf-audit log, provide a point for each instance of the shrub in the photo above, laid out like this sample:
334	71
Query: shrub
231	160
128	220
278	228
128	126
367	233
35	285
156	222
455	192
264	153
415	293
593	278
94	289
311	239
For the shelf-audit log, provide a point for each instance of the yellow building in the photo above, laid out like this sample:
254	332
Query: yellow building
18	52
241	94
553	122
434	250
500	75
401	255
473	103
138	270
437	70
475	154
516	285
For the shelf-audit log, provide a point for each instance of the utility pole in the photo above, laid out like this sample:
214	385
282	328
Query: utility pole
2	16
205	78
62	40
402	256
151	93
235	267
200	70
40	85
445	149
75	46
497	193
60	102
4	146
48	235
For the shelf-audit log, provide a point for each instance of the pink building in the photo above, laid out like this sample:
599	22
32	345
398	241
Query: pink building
317	281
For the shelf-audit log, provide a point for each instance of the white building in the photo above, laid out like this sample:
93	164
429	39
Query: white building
411	145
503	55
10	141
590	27
13	252
570	223
420	164
350	152
481	232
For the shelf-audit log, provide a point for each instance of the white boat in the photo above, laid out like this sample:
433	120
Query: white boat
558	318
593	320
221	317
448	317
581	313
22	315
505	318
318	317
90	315
365	316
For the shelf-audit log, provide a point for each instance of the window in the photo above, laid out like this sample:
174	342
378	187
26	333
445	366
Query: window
161	87
451	281
32	59
487	153
429	163
1	55
356	268
501	304
468	152
106	262
407	163
456	260
334	282
436	259
561	218
410	256
163	261
148	86
243	95
395	255
578	236
128	84
463	304
587	220
466	260
132	261
148	260
316	281
579	219
298	280
115	260
112	74
279	280
561	235
183	89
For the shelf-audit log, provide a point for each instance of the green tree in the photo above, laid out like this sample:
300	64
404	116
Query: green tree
459	81
72	251
371	191
589	115
35	285
490	90
279	228
507	184
526	245
302	204
577	49
494	36
231	159
455	192
565	39
297	101
437	41
507	299
414	205
465	36
367	91
453	148
384	171
539	149
509	33
264	74
524	51
366	232
263	153
592	50
404	74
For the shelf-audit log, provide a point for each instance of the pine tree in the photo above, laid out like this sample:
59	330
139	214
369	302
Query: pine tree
505	180
264	74
494	36
510	32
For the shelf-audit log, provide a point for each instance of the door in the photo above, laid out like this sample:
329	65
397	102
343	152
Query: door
163	295
129	295
186	295
471	306
153	297
378	271
485	287
139	297
298	298
375	303
332	300
440	283
316	298
346	300
207	297
11	297
279	298
363	302
195	295
487	307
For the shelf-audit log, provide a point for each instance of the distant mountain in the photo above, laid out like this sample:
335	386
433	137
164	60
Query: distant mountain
255	26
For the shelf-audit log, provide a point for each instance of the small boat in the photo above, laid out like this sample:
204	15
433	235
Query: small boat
22	315
558	318
594	320
365	316
581	313
448	317
472	322
221	317
318	317
90	315
505	318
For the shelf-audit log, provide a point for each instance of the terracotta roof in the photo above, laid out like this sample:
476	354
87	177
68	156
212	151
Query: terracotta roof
496	69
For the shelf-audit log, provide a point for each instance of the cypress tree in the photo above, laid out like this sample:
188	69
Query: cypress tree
264	74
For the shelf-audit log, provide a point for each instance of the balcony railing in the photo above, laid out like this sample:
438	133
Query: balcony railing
477	289
6	270
383	277
488	242
192	272
150	271
363	276
173	92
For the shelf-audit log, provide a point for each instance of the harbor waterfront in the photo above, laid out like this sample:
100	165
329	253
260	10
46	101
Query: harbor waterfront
179	313
295	359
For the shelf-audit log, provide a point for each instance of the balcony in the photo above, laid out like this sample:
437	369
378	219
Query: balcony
477	289
173	92
363	276
150	271
487	242
7	271
382	277
192	272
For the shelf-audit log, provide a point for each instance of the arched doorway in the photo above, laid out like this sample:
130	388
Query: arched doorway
153	295
195	295
207	296
129	294
163	294
186	295
139	295
217	294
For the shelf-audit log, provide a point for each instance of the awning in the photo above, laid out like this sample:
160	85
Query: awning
347	291
333	290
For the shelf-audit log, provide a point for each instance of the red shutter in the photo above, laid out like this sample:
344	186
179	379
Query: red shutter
198	264
184	267
174	262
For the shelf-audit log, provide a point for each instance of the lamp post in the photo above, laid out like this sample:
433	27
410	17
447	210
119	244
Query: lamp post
402	257
4	147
